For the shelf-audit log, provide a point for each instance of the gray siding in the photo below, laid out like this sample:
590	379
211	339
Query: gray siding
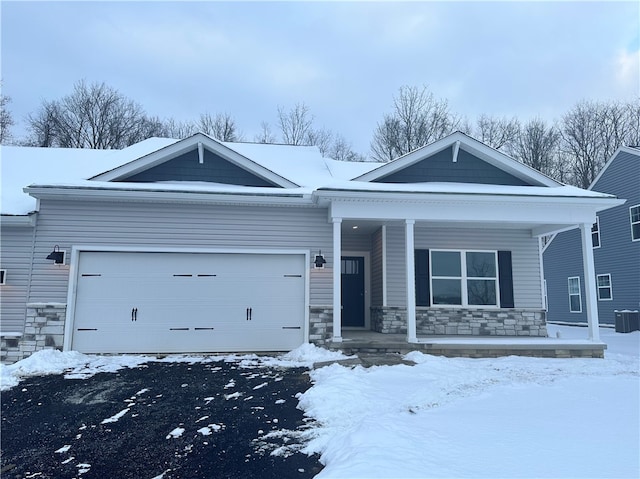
188	168
15	256
525	259
617	255
440	167
562	260
376	268
176	226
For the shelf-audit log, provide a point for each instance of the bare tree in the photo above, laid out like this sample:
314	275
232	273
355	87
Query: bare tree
179	129
320	138
537	146
295	124
418	118
341	150
499	133
221	126
93	116
6	120
265	135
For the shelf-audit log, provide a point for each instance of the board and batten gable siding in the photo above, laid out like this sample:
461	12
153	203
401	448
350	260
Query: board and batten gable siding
174	226
15	257
527	288
441	168
187	167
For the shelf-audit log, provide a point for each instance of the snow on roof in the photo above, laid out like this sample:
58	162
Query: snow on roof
22	166
303	165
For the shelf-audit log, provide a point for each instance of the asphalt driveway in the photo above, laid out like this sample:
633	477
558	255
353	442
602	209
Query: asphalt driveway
167	420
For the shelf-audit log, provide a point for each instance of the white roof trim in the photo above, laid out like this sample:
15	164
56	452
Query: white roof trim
176	149
470	145
622	149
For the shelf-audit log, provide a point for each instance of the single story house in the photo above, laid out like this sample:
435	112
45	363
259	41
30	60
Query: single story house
615	242
196	245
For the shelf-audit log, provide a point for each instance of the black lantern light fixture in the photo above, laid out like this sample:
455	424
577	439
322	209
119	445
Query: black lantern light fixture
319	262
56	255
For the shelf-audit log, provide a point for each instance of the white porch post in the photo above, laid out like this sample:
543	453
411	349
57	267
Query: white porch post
337	283
590	290
412	336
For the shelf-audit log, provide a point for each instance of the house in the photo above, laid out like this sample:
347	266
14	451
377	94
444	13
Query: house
615	242
202	246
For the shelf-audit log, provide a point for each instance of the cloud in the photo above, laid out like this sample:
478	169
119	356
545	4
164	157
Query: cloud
627	71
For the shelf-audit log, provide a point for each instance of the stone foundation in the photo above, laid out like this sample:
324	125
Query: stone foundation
461	322
320	324
43	329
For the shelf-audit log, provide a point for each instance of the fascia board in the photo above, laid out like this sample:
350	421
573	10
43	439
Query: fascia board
18	220
474	210
169	196
172	151
470	145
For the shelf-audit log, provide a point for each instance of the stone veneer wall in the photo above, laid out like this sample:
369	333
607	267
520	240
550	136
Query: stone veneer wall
43	329
461	322
320	324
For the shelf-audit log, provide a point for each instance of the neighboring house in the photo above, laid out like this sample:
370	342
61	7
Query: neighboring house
615	241
197	245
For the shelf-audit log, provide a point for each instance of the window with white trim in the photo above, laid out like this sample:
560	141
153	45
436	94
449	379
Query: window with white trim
634	216
575	296
595	233
464	278
605	291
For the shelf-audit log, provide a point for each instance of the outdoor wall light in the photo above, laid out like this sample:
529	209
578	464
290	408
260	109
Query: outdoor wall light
56	255
319	262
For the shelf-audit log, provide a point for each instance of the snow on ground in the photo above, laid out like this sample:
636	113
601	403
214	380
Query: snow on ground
511	417
505	417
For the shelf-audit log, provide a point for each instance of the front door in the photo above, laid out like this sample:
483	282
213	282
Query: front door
352	277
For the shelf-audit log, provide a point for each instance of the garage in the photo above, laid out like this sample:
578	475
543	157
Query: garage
132	302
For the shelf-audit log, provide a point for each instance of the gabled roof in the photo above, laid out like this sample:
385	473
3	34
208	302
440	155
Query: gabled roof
194	142
460	141
623	149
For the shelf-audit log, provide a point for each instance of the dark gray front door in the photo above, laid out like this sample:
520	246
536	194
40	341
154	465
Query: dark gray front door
352	269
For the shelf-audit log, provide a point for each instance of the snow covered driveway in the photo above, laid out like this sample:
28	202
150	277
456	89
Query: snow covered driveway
203	419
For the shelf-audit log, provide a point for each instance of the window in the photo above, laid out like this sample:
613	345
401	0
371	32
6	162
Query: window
605	292
575	297
634	213
464	278
595	233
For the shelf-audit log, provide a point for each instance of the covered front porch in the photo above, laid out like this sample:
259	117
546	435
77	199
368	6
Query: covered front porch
404	309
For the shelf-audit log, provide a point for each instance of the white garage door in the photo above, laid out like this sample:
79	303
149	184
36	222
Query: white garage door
188	302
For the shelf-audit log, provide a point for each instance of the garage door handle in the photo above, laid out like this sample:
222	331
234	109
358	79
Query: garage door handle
249	312
134	314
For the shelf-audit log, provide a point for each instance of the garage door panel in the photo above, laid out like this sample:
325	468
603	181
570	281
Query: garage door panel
179	302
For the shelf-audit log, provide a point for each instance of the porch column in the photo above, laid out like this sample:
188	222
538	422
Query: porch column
590	290
337	280
412	336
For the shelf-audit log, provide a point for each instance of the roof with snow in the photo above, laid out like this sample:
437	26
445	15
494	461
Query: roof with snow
277	170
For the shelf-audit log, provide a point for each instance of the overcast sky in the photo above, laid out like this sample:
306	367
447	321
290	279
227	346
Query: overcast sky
346	61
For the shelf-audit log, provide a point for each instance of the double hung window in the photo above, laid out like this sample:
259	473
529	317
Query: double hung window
575	296
604	287
634	213
464	278
595	233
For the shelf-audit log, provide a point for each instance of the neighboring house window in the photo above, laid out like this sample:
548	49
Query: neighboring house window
464	278
575	297
634	212
595	233
605	292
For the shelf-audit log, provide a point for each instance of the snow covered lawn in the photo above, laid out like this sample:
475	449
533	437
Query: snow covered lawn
495	418
510	417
